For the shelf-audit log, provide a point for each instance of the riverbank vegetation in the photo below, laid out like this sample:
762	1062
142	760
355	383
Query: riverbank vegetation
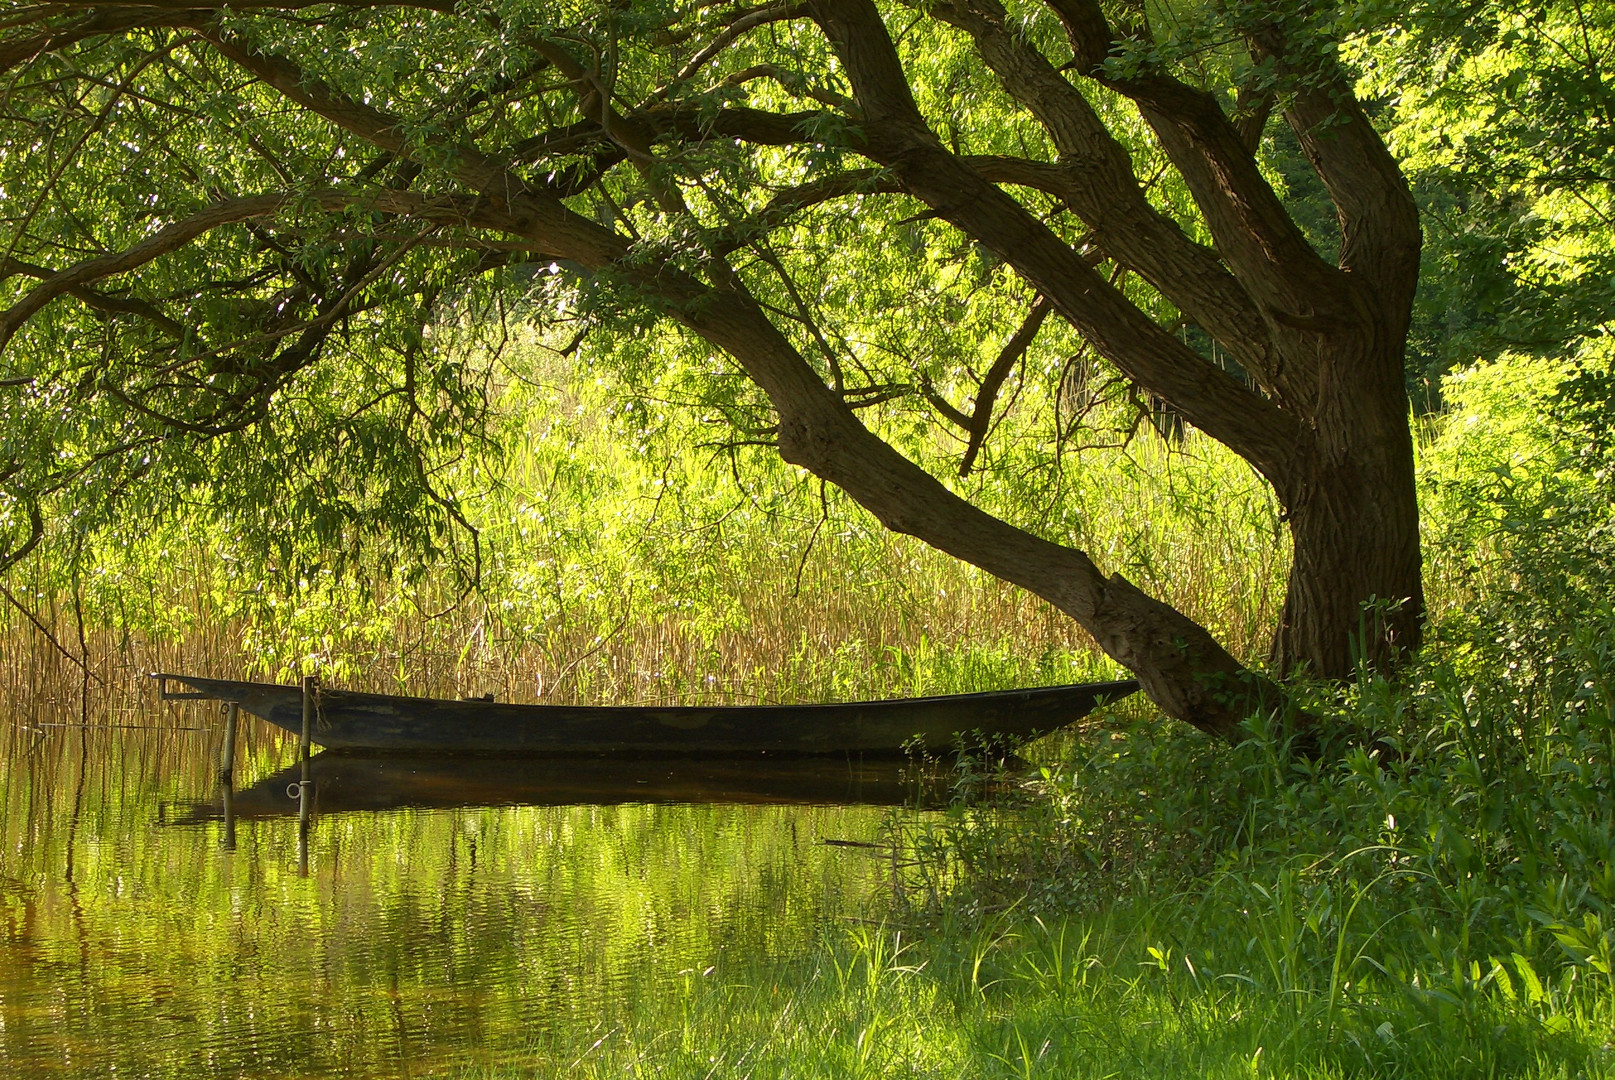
1144	899
629	554
1154	904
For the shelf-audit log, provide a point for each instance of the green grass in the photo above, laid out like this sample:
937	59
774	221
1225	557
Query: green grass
1073	998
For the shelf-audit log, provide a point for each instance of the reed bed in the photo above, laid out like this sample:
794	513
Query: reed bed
621	570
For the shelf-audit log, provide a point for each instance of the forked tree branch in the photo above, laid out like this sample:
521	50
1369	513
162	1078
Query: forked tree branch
981	414
112	305
1095	178
1379	221
1264	246
897	137
512	205
165	240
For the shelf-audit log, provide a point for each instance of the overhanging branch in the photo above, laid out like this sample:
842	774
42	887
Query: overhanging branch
177	235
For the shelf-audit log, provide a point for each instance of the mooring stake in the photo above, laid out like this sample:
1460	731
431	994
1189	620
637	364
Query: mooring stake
227	758
305	786
311	690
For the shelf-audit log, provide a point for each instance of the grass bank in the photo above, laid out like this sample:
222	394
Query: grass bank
1063	998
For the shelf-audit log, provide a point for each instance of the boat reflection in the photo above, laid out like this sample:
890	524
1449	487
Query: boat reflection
354	780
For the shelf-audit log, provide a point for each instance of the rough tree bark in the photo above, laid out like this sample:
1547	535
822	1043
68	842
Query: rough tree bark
1324	415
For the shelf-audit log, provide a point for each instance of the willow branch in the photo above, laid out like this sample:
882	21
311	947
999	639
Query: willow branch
981	415
726	37
227	212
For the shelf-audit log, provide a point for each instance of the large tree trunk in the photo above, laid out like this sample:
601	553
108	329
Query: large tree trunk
1324	342
1356	595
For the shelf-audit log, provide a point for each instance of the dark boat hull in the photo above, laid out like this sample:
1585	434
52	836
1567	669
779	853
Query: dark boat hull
346	719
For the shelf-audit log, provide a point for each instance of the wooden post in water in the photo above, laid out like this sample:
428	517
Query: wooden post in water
311	689
227	758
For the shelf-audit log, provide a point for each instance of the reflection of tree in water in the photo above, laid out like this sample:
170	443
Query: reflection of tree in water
420	936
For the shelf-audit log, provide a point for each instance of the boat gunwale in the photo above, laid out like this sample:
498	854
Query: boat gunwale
1111	689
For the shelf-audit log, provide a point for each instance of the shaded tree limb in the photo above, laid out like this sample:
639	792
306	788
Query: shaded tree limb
981	414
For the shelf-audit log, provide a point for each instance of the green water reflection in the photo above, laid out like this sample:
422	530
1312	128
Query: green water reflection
423	940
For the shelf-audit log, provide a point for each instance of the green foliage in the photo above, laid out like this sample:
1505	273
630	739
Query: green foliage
1503	116
1519	489
302	380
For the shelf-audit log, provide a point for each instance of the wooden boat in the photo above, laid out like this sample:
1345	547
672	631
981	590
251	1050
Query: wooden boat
345	718
367	781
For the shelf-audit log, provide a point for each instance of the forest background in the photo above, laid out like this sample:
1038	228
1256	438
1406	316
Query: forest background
625	534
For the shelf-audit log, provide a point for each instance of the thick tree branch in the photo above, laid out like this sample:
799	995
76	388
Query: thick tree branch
1095	178
1265	248
113	305
896	136
511	200
819	432
1379	221
384	130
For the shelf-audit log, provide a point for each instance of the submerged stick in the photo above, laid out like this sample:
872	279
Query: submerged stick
229	818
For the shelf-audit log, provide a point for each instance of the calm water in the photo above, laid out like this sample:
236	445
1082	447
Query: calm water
429	938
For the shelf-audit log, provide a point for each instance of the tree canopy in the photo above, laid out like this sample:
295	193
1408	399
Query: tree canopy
256	257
